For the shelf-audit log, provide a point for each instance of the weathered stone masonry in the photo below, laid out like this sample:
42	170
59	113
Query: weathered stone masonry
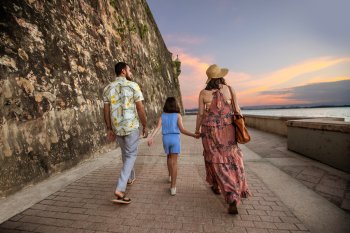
55	58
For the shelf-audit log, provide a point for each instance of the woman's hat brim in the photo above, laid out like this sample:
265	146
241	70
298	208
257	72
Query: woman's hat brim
222	74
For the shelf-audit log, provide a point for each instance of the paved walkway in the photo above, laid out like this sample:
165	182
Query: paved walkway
328	182
79	200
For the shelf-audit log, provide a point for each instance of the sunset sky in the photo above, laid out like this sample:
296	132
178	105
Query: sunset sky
277	51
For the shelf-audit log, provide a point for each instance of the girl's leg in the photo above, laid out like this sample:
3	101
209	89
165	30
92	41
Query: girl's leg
173	158
168	160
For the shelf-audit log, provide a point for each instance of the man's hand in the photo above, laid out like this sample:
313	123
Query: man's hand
144	132
110	135
142	116
198	135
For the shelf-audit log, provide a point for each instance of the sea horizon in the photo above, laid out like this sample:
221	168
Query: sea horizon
333	111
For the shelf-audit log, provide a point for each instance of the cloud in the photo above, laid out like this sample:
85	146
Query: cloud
192	78
273	88
280	77
323	80
317	93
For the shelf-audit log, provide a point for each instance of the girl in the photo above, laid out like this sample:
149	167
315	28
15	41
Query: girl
171	123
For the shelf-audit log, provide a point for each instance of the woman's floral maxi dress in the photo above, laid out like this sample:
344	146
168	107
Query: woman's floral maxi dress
223	158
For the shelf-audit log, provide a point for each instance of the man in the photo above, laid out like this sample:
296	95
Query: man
122	100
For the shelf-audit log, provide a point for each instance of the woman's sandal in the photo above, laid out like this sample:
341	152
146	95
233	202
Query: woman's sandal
121	200
216	190
232	209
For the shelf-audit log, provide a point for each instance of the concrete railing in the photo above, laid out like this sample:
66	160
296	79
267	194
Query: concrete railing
325	141
277	124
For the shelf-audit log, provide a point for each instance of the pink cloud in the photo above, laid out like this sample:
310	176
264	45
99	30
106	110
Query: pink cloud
248	87
286	77
192	78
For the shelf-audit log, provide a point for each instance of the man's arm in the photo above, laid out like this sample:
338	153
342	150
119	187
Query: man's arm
142	116
107	117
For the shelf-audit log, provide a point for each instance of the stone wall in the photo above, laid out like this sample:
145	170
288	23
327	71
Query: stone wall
55	59
325	141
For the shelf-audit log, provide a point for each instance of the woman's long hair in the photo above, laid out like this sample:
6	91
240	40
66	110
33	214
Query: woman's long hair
171	106
214	83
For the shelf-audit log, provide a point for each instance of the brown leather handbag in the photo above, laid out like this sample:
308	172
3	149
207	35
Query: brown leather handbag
241	132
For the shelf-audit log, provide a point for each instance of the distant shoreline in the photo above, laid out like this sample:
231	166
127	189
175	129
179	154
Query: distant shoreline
280	107
293	107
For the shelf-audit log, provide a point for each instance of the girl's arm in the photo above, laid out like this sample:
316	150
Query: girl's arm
155	131
181	127
200	113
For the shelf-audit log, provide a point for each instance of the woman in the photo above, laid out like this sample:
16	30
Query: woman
223	159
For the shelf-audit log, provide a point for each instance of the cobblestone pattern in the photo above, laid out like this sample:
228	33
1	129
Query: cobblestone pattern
85	205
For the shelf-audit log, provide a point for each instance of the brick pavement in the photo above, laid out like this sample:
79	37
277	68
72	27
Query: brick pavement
85	206
328	182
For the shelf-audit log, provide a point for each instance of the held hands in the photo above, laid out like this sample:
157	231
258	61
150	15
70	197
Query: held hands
197	134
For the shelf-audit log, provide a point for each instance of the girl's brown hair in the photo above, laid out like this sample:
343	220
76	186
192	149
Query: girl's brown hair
171	106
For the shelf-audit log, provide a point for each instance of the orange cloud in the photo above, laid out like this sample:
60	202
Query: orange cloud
330	79
192	78
278	78
270	100
248	87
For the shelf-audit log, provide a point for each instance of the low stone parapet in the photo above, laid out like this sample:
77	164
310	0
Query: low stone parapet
323	140
277	124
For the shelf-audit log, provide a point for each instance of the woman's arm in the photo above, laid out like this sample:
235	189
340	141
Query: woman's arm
200	112
155	131
181	127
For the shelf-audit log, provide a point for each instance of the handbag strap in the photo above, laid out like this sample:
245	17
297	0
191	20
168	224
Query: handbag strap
233	102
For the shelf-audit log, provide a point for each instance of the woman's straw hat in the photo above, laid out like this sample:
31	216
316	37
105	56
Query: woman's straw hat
214	71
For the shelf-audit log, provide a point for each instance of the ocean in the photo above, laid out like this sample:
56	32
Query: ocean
343	112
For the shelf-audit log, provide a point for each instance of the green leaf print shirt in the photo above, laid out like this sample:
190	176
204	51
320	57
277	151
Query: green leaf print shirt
122	95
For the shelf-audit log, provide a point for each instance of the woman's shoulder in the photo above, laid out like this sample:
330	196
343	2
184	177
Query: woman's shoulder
205	92
227	88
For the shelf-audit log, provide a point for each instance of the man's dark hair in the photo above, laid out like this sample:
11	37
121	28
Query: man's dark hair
171	106
119	67
214	83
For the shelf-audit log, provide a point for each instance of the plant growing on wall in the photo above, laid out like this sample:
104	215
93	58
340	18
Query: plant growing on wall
112	2
143	29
